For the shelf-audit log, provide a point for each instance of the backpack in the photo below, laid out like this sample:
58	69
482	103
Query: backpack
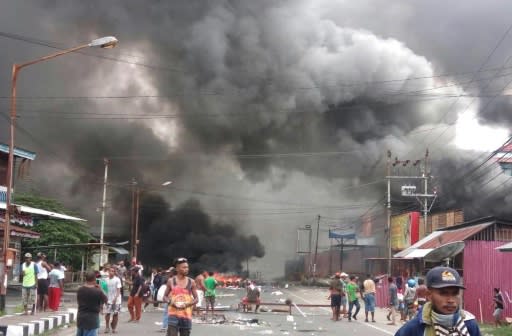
161	292
146	290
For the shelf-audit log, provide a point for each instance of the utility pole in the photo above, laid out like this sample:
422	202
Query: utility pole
389	177
342	241
132	226
409	191
307	250
426	209
316	246
423	198
388	211
330	256
103	208
137	210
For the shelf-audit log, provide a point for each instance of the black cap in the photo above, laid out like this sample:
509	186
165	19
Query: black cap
441	277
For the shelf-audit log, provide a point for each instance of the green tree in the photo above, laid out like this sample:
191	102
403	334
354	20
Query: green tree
55	231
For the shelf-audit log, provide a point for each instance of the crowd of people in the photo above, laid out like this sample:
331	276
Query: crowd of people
429	306
171	290
345	290
178	294
42	284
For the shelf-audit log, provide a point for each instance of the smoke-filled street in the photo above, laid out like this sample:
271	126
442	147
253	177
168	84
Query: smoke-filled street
281	141
306	321
263	116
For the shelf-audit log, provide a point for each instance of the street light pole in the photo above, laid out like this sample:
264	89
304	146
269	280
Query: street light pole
103	210
104	42
137	210
136	204
388	213
316	247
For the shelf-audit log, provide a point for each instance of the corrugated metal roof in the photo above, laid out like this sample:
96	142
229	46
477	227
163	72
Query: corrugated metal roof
431	236
412	248
418	253
453	236
43	213
439	238
507	148
506	247
19	152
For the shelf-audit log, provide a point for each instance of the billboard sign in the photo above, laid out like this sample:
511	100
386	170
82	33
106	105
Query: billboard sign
404	230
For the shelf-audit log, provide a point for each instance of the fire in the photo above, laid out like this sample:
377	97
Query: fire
227	279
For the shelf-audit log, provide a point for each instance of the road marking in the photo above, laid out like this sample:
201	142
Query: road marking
377	328
326	309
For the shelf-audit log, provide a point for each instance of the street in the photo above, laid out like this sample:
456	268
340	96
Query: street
356	146
315	322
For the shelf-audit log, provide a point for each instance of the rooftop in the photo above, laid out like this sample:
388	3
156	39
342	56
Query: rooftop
444	237
19	152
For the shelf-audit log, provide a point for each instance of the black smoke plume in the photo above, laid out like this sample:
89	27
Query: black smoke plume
189	232
249	77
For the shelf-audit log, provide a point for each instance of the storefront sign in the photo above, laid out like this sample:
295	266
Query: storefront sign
17	218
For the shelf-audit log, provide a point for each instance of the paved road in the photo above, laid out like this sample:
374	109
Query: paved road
315	322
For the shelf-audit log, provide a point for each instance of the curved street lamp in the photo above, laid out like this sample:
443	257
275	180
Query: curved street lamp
136	213
104	42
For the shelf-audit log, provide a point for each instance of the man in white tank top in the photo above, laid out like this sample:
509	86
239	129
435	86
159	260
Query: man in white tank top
42	281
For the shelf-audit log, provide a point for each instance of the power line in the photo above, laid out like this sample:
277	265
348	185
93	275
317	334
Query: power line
238	156
500	41
54	45
489	157
249	199
394	93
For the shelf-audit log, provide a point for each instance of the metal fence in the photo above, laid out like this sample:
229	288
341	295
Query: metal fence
484	269
382	296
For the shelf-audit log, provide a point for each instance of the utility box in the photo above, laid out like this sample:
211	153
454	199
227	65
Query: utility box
408	190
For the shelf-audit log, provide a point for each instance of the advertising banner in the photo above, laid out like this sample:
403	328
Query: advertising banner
404	230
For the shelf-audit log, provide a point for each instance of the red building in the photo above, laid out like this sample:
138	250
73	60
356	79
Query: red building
473	249
504	158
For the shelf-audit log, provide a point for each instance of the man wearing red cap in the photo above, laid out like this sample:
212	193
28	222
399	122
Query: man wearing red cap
442	315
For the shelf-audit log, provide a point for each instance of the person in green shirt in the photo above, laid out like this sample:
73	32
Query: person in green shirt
29	284
209	295
352	290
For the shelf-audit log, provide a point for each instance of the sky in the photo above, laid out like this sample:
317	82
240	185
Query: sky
267	113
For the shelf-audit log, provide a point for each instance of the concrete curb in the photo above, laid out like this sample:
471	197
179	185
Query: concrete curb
37	326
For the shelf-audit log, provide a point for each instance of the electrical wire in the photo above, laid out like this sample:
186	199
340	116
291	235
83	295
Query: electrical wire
54	45
481	67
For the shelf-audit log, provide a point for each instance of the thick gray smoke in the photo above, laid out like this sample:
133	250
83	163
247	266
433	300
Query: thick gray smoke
234	81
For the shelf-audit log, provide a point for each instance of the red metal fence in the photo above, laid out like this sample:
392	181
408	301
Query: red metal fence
382	296
328	262
486	268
